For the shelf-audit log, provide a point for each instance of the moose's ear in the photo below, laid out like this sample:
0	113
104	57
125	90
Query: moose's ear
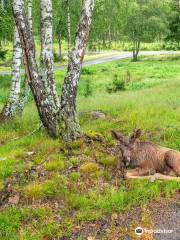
117	135
136	134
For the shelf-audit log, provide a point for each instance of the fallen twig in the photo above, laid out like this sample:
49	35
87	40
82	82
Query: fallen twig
28	135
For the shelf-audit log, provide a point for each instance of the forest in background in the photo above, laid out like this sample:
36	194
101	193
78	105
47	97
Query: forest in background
116	24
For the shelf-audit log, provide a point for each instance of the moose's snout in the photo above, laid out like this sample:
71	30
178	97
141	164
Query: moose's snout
126	162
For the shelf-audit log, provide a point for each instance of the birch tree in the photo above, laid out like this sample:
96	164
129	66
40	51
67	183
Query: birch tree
47	57
68	25
11	106
15	104
69	124
26	89
42	93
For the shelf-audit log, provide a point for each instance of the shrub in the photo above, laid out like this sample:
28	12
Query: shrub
87	71
88	88
118	84
170	45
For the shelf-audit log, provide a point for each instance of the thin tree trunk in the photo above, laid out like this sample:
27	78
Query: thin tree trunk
68	26
47	58
69	124
42	93
10	109
26	89
136	50
60	46
16	104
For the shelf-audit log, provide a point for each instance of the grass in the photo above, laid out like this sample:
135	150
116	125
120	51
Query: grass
72	185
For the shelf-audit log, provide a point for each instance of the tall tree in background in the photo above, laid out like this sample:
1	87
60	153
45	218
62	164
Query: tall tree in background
174	26
69	124
15	104
68	24
145	21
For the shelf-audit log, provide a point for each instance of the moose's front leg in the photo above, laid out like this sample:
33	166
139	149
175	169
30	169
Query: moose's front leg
137	172
132	172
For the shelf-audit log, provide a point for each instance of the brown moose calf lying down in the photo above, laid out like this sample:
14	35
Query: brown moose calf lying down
147	158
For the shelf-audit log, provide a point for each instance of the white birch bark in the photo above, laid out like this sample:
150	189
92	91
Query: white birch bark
2	4
47	58
26	90
68	26
41	93
69	125
29	11
15	104
11	106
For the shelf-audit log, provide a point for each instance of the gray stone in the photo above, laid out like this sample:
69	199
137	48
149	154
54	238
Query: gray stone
98	115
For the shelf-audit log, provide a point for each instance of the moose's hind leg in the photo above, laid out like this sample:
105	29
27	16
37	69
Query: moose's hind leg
172	161
169	171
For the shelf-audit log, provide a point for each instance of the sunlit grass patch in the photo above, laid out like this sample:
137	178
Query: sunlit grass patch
89	168
52	188
54	165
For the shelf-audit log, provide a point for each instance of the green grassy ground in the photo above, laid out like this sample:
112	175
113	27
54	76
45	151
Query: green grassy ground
72	185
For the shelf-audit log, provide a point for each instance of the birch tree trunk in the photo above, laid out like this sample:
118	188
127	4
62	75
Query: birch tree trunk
2	4
68	26
69	124
26	89
16	103
12	104
47	58
42	94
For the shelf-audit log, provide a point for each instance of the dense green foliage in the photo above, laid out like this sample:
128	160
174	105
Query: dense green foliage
113	21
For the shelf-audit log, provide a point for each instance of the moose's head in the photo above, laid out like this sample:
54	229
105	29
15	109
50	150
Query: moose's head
127	144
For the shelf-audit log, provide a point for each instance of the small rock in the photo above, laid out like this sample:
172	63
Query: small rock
98	115
152	179
30	153
14	199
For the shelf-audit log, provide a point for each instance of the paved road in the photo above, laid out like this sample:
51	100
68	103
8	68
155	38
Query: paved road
122	55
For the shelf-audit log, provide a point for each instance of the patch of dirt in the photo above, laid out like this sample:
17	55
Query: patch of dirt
166	216
114	227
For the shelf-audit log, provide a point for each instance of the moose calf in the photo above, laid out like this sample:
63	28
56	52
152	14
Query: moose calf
147	158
